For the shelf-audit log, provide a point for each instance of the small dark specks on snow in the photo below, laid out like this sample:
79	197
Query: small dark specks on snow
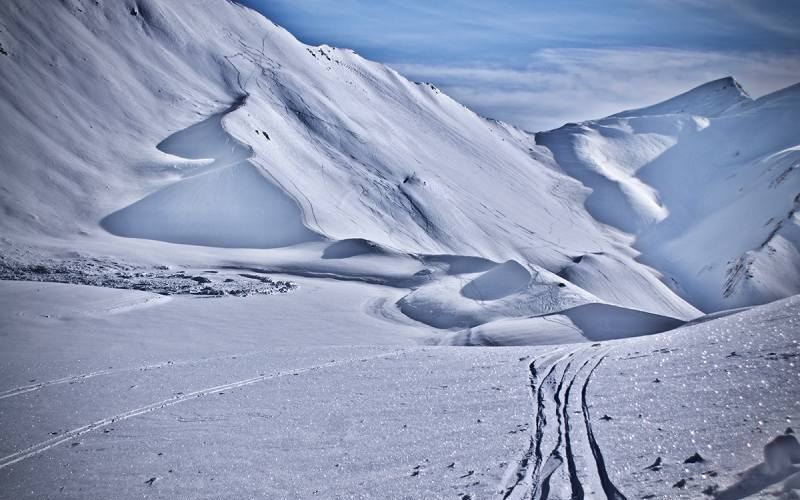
680	484
648	497
74	444
657	381
694	459
606	418
452	465
732	355
466	497
469	473
135	13
711	490
789	430
415	473
596	345
150	481
655	465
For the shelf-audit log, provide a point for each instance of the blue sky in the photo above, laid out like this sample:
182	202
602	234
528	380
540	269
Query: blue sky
539	64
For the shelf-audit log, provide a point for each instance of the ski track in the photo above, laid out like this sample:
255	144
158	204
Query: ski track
521	473
71	379
611	491
533	473
72	434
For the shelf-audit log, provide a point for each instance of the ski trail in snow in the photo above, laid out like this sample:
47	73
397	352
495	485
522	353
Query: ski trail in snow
16	391
532	457
538	476
555	459
98	424
574	480
611	491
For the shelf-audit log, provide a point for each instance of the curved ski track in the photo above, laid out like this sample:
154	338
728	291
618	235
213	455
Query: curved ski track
181	398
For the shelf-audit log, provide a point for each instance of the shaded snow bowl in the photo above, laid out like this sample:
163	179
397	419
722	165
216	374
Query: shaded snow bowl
231	207
353	247
501	281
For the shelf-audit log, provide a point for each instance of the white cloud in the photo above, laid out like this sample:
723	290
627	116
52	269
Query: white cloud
562	85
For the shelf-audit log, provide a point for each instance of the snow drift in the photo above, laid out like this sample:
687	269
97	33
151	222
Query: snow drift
148	130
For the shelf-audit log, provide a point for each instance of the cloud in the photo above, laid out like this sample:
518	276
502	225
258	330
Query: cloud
779	16
563	85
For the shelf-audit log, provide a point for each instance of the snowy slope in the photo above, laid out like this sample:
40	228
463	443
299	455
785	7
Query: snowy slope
217	128
312	395
289	246
174	134
708	184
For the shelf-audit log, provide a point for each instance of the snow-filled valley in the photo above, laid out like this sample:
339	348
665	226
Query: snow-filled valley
237	266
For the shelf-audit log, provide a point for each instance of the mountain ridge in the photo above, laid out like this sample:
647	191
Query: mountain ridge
357	153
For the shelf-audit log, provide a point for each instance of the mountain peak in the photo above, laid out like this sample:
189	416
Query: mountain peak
708	99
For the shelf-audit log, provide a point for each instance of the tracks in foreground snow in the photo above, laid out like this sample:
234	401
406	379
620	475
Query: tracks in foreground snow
72	379
180	398
562	460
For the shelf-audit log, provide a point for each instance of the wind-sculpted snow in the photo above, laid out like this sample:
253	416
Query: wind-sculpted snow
594	322
230	204
706	183
223	131
196	150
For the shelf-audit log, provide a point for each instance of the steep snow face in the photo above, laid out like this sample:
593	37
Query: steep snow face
708	183
228	203
362	151
153	128
133	128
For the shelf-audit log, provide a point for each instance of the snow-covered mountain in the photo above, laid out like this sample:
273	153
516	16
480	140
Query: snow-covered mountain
707	182
175	133
300	237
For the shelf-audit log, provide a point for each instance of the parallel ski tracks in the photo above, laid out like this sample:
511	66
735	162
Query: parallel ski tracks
539	473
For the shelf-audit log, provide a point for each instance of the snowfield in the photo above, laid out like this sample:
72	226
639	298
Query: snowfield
312	394
237	266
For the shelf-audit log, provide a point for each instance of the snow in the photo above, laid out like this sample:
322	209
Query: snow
592	322
278	396
501	281
681	174
234	265
710	99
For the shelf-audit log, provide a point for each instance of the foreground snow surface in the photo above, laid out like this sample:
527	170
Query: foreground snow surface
296	244
320	393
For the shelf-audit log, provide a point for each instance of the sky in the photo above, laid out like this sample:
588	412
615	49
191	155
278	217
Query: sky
539	64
